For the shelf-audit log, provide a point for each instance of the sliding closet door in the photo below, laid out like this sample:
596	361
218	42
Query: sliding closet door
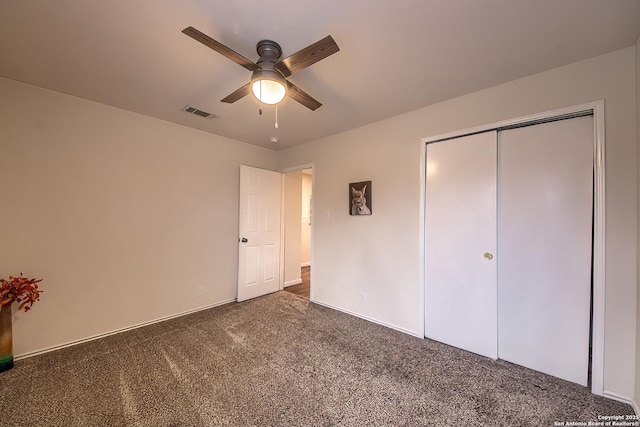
460	291
545	243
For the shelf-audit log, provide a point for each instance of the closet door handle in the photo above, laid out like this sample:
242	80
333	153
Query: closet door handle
488	256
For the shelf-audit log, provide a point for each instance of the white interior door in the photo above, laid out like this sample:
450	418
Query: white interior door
545	244
259	226
460	291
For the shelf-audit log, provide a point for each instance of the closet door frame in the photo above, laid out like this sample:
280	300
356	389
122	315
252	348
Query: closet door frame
595	108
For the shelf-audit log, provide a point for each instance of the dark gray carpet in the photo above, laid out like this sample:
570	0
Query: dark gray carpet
282	361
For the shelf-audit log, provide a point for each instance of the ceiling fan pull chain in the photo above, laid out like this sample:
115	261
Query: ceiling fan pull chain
276	116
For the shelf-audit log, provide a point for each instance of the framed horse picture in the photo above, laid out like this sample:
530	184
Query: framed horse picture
360	198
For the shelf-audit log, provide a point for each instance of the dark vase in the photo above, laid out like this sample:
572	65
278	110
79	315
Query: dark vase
6	338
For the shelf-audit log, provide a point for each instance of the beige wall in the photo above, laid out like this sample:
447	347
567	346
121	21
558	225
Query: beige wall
122	215
292	227
378	256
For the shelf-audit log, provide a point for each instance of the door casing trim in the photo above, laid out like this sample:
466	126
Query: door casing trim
282	248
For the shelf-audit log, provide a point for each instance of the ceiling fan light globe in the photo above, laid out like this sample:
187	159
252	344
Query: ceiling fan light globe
269	87
268	91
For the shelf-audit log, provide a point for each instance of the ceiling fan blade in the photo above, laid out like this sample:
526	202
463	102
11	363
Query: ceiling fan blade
240	93
307	56
302	97
220	48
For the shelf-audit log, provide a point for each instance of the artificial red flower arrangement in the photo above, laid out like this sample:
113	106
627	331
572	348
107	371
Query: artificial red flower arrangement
20	289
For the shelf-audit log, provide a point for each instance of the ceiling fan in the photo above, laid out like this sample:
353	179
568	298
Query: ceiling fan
268	81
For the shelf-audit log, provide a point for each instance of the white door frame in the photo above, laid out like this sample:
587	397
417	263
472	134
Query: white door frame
282	248
599	282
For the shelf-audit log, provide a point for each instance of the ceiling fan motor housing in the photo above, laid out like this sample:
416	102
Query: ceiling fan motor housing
269	51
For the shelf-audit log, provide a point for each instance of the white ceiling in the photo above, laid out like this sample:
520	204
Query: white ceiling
395	55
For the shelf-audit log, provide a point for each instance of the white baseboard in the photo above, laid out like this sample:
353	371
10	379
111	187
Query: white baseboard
635	407
370	319
292	282
117	331
306	264
619	398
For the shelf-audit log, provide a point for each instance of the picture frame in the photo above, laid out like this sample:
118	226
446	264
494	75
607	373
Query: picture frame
360	198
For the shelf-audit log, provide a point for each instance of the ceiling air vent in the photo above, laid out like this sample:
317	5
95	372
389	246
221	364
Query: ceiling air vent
190	109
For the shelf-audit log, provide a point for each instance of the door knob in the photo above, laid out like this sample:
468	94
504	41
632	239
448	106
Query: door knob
488	256
244	240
